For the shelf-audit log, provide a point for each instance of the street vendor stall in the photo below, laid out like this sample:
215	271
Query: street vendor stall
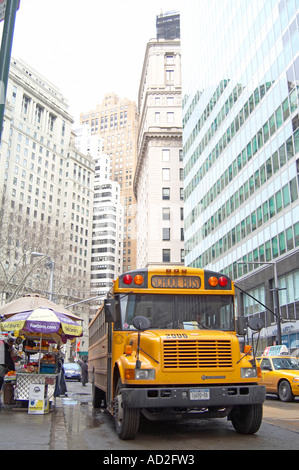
40	365
39	335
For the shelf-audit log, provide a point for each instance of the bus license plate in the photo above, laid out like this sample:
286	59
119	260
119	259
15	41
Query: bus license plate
200	394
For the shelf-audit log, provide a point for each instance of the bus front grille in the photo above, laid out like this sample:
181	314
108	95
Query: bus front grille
197	354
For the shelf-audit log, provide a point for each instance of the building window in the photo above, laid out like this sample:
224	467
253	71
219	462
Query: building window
51	122
25	104
166	234
166	213
165	194
289	286
169	75
166	256
170	117
165	155
38	113
251	306
165	174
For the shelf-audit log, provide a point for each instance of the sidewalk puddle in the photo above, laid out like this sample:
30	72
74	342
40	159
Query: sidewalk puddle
69	401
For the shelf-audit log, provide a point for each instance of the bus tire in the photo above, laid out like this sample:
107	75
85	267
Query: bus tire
126	420
246	419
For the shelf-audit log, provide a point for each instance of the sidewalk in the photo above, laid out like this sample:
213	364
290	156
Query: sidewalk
21	431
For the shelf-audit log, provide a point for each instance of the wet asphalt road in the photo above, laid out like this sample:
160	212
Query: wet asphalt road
75	425
88	429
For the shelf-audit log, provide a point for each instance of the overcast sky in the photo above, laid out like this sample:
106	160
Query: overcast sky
88	48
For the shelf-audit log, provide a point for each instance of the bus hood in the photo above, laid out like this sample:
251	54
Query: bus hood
186	349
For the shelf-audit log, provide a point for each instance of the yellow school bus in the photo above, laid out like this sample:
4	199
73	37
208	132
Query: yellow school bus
164	345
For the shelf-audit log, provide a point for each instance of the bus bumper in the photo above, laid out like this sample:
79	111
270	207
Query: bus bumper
193	397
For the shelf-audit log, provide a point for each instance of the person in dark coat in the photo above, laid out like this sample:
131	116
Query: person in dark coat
60	385
7	364
84	373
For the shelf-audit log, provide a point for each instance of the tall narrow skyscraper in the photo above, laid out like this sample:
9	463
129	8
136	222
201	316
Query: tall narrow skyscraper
158	183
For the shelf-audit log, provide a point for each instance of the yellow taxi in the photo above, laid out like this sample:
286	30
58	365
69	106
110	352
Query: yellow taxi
280	374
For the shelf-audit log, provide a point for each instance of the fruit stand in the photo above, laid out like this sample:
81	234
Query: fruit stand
39	335
38	366
42	371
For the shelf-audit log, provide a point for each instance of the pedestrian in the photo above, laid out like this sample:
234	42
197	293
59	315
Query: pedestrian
84	373
60	386
12	350
6	362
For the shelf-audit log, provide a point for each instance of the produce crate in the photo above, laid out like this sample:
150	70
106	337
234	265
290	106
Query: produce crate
47	368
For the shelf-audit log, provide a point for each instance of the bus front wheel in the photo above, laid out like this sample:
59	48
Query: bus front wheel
247	419
126	419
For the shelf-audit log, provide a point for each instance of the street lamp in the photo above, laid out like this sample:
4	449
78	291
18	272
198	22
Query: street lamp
276	297
51	266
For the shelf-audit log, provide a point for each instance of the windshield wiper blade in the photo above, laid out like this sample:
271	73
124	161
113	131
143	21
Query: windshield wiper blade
149	355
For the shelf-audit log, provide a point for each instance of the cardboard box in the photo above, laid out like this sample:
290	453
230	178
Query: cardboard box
38	403
38	407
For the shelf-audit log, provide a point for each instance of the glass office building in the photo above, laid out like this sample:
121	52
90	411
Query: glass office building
241	141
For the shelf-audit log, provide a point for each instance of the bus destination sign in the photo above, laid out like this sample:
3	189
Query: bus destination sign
176	282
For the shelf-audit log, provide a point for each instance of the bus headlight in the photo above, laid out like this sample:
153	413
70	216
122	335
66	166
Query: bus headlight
248	372
144	374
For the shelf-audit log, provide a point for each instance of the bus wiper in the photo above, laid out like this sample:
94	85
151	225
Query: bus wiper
140	349
246	354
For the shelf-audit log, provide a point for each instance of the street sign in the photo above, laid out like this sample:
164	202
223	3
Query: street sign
3	8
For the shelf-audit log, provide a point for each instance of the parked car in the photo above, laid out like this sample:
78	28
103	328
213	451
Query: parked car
72	371
280	375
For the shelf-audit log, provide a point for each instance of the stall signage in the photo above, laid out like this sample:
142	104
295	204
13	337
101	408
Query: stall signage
176	282
39	327
72	330
38	407
12	325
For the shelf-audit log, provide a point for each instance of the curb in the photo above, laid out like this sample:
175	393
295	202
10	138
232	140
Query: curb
58	430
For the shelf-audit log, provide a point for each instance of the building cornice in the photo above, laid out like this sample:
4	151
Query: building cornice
44	96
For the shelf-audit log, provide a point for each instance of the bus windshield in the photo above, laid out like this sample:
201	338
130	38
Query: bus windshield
189	312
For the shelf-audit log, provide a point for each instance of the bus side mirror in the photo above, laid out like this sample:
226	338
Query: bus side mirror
256	324
241	324
110	310
141	323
